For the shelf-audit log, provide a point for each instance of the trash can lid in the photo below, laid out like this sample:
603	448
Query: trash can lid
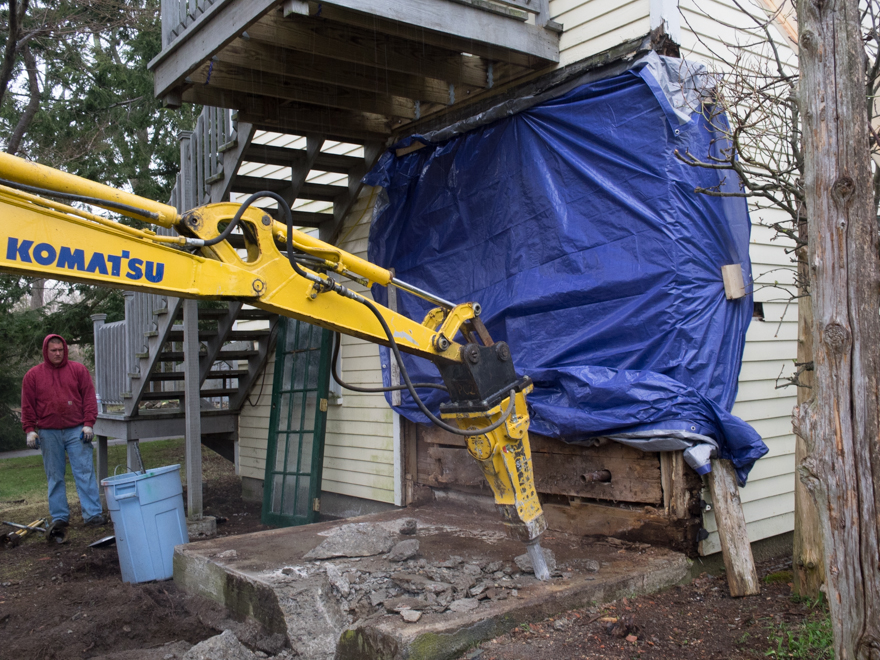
129	477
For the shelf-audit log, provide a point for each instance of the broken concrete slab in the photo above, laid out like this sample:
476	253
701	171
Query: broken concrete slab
225	645
404	550
464	558
354	540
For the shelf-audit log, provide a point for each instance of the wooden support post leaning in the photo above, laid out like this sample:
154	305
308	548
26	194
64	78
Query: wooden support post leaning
742	578
192	408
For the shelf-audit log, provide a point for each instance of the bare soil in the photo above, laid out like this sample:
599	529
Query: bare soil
699	621
68	601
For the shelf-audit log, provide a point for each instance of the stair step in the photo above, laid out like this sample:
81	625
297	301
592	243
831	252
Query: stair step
177	356
320	192
234	335
205	394
304	218
179	375
284	157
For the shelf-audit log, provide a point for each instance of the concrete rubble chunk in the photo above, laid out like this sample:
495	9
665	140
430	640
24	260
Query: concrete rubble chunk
405	603
589	565
464	605
224	646
452	562
561	624
338	580
411	616
478	589
404	550
408	527
494	567
525	564
354	540
419	583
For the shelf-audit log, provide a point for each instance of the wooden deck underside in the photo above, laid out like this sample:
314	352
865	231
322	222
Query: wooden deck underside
349	70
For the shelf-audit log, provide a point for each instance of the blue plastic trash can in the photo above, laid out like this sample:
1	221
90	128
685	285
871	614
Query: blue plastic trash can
148	520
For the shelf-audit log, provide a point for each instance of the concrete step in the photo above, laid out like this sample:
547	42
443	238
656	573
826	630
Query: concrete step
324	607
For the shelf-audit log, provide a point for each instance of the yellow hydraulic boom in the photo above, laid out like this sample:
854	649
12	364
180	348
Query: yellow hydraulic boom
51	239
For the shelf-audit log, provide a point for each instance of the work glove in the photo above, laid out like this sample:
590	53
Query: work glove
88	433
32	438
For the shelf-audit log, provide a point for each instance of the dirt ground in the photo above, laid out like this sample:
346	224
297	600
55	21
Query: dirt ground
68	601
699	621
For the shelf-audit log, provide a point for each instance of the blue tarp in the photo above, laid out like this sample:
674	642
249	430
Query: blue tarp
579	232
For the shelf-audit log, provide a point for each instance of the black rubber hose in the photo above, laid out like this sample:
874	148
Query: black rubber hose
371	390
409	385
282	205
103	203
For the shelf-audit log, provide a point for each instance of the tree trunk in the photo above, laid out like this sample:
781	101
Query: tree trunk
841	425
808	568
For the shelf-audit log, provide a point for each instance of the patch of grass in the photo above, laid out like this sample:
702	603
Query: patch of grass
810	640
780	577
22	479
23	495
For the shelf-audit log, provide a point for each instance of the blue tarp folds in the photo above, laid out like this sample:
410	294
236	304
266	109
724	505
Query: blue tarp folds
577	229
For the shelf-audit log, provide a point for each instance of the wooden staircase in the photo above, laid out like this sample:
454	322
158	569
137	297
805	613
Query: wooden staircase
140	362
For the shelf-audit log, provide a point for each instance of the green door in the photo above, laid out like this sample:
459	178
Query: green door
295	453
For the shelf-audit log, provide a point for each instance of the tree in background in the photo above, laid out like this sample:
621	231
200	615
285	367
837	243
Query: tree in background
76	94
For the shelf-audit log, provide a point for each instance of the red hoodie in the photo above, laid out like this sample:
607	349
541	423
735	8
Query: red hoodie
57	397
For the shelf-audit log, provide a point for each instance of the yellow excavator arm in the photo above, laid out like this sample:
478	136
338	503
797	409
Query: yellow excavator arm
42	237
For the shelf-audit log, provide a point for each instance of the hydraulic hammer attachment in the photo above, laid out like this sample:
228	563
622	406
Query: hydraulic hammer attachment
505	458
485	389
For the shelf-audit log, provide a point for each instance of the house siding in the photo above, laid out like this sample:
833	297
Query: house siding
253	424
595	26
359	445
771	343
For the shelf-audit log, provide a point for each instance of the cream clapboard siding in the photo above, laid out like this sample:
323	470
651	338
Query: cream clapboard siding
594	26
359	447
253	425
771	344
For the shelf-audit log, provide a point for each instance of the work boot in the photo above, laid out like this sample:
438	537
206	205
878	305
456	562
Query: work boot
97	521
58	531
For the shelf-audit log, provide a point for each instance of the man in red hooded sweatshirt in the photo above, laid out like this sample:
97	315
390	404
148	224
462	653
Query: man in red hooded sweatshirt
58	407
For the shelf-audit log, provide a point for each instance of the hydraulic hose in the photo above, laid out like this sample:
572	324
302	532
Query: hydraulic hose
328	284
94	201
282	204
371	390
